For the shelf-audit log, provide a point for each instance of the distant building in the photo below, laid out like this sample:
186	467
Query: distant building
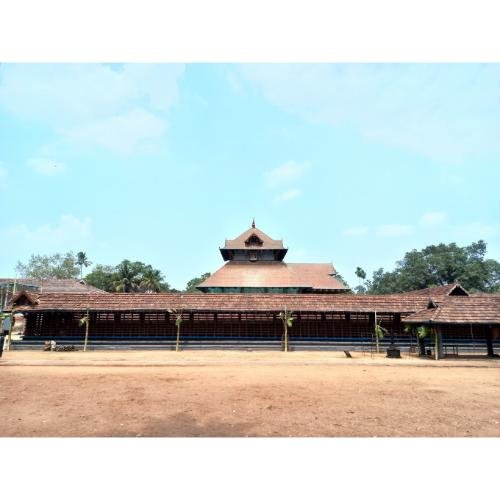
255	265
9	286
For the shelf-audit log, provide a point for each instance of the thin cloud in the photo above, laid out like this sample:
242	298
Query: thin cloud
135	131
395	230
442	111
80	102
46	166
68	231
287	173
356	231
431	219
3	174
287	195
476	230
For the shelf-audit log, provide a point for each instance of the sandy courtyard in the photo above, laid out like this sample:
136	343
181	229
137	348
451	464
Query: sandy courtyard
224	393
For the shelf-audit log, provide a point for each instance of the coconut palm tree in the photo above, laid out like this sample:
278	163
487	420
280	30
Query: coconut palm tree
287	318
82	260
424	331
178	320
413	330
151	281
128	280
380	331
85	321
361	274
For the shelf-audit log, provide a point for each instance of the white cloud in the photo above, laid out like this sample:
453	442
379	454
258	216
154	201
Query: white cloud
66	233
286	173
68	94
3	174
235	83
287	196
476	230
134	131
46	166
356	231
79	100
442	111
431	219
394	230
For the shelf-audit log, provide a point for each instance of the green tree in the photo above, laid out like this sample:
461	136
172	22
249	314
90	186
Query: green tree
152	281
128	277
287	319
341	279
138	277
60	266
102	277
82	260
86	321
361	274
437	265
193	283
178	321
379	333
424	331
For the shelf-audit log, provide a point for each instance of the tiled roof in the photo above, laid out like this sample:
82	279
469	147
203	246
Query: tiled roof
274	274
473	309
55	285
226	302
441	291
267	242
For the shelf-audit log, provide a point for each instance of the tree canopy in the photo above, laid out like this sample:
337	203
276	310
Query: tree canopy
128	277
81	261
192	284
437	265
102	277
58	265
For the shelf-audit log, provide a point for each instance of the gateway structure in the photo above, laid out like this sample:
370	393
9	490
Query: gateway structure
255	265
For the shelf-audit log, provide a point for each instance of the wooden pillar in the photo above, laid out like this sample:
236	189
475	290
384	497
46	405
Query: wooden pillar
396	325
372	319
347	325
489	342
117	322
421	345
142	323
439	335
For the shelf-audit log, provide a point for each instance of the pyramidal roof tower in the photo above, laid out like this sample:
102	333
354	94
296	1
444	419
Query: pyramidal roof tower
253	245
254	264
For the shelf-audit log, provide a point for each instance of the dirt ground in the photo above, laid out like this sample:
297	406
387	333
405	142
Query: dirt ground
237	393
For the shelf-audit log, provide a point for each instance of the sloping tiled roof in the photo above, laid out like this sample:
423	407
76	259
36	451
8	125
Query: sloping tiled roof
226	302
441	291
274	274
483	309
55	285
267	242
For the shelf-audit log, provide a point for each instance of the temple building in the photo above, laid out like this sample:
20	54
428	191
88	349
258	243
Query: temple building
254	264
244	303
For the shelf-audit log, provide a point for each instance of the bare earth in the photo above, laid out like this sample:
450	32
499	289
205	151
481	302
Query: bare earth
225	393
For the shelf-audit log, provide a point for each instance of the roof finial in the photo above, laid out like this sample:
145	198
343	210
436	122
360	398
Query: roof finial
253	222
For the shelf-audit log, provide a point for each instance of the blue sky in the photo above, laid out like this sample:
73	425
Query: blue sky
350	164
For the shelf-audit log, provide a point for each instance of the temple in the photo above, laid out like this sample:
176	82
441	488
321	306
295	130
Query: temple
243	304
255	265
